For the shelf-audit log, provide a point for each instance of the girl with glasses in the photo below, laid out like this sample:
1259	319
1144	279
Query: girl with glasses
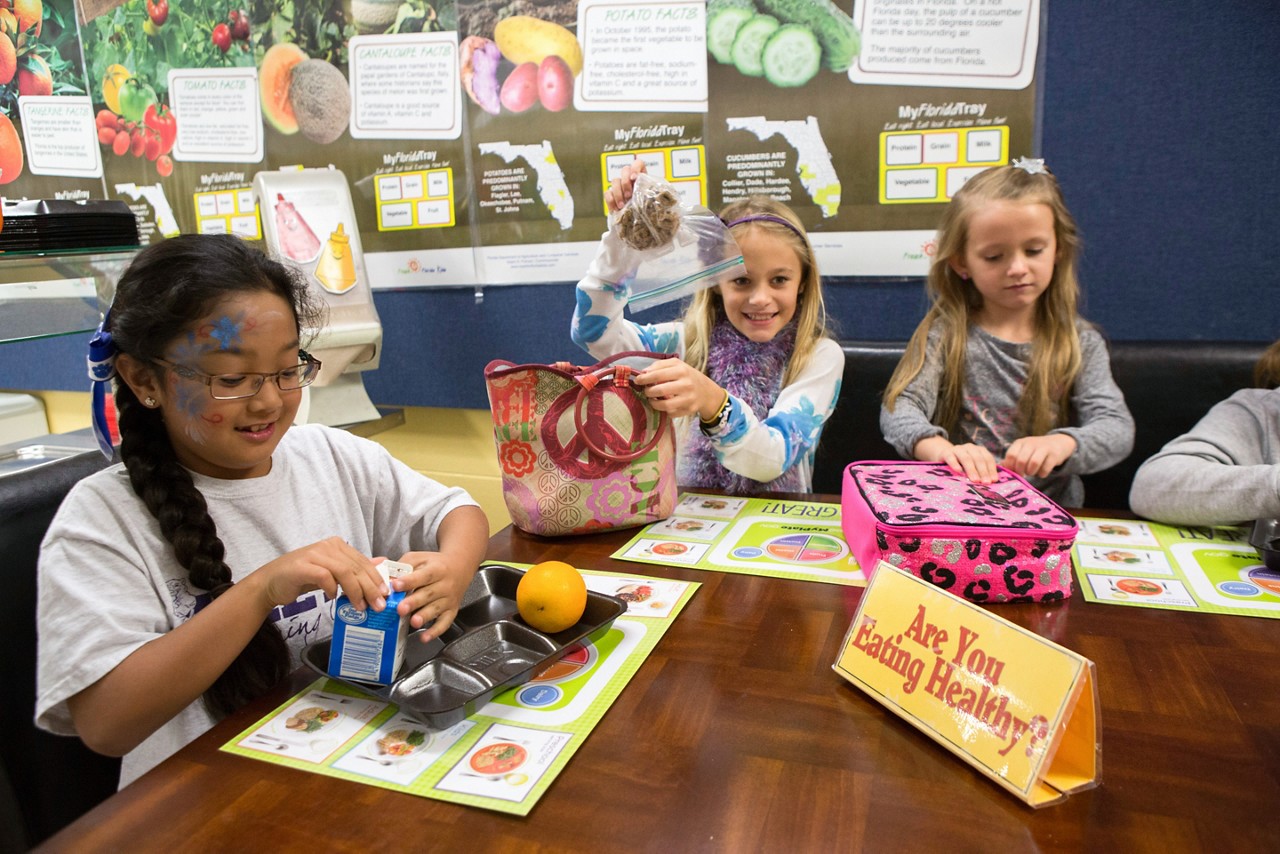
187	580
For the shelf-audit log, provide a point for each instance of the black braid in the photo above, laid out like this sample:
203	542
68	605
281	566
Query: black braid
167	288
167	490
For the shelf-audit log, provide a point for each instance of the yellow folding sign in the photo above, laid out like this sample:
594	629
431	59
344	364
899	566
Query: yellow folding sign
1019	708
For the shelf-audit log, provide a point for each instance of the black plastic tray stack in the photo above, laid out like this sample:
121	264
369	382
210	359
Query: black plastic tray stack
60	225
487	650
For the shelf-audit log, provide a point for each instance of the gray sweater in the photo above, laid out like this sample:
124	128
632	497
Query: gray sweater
1225	470
995	373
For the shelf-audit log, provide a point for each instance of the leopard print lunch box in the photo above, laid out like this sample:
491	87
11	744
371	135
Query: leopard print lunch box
989	543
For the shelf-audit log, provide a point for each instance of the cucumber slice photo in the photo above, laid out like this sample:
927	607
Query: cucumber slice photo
748	45
831	24
722	28
791	56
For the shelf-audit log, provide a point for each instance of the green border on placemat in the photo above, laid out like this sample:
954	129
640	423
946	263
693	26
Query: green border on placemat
800	540
1188	568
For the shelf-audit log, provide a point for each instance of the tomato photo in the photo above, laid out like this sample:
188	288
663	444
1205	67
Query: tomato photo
158	10
221	37
238	20
159	118
135	98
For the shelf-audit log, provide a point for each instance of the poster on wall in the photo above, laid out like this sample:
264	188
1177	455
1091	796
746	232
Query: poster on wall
478	136
48	138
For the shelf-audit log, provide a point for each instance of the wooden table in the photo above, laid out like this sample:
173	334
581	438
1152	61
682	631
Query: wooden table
736	735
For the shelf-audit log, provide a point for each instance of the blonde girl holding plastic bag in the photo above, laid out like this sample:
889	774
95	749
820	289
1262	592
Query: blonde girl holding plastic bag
756	364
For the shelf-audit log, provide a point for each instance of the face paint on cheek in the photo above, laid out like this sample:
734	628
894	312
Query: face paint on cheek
196	432
189	397
191	400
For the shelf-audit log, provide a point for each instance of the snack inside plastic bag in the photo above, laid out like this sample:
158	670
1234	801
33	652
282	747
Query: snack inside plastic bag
682	248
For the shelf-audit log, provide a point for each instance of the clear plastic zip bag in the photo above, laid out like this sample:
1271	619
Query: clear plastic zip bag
681	248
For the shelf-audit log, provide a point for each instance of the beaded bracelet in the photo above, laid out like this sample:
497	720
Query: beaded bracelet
718	418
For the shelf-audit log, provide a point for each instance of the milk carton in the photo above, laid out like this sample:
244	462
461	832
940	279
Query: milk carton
368	646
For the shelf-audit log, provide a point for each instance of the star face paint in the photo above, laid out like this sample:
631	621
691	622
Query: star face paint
250	332
227	331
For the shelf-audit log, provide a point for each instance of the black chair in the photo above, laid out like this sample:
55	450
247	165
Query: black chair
1169	386
51	780
853	431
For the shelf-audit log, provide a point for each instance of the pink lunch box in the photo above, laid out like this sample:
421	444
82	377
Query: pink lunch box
999	542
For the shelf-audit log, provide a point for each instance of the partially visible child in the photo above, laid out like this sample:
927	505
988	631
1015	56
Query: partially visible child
185	582
756	365
1002	368
1266	372
1225	470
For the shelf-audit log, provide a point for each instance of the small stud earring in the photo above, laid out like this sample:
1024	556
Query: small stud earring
150	401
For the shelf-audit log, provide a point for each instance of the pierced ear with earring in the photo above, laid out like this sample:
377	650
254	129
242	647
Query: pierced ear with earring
149	402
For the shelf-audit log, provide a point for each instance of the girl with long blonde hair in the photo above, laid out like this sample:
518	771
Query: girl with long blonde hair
756	364
1002	367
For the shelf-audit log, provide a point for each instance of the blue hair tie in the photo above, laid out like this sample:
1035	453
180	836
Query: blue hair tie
102	367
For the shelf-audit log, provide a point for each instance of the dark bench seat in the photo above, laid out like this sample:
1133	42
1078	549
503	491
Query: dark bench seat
46	781
1168	386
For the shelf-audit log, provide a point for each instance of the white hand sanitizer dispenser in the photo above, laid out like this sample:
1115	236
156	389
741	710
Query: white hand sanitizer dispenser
309	221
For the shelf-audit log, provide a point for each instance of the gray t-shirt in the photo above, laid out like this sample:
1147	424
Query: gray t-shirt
1226	469
995	373
109	582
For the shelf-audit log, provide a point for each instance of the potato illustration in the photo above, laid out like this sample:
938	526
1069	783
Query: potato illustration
523	38
555	84
520	89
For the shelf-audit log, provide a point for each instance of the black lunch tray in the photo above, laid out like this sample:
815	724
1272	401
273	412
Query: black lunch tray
487	650
1265	537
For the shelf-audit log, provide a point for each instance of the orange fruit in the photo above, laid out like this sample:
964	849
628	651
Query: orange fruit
29	12
34	77
10	151
551	596
8	59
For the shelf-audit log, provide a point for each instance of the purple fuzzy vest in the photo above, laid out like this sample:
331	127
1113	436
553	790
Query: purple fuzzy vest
751	372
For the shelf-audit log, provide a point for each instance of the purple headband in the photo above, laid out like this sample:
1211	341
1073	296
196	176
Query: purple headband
766	218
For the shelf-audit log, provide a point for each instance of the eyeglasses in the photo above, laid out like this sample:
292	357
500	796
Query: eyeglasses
249	383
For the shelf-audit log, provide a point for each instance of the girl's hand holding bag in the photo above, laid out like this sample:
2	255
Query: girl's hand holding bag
580	448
